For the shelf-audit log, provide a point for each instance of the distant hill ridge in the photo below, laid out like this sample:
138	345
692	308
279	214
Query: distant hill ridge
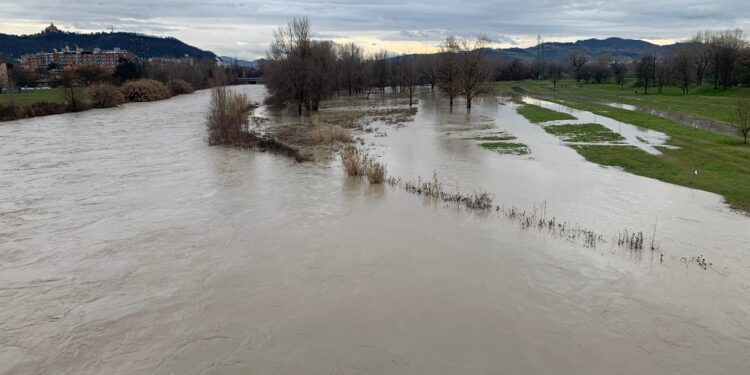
14	46
617	48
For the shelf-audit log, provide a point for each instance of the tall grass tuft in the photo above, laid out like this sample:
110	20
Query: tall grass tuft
228	117
375	172
352	161
104	96
330	134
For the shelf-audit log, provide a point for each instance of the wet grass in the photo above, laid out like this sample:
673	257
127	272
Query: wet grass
30	97
700	159
506	147
702	101
329	134
538	114
584	133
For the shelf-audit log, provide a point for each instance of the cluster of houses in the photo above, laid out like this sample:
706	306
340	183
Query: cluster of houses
73	58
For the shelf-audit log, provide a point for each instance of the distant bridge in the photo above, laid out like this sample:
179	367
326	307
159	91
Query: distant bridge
251	81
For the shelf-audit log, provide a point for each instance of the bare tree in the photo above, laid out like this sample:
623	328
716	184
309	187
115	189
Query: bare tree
322	66
428	69
578	61
473	71
683	65
742	121
644	71
287	71
701	54
448	69
352	60
600	69
725	47
409	76
380	69
620	72
554	72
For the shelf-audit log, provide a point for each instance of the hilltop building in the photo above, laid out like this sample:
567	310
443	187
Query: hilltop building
51	29
107	60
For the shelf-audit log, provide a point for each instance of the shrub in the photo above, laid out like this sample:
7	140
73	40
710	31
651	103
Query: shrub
104	96
375	172
330	134
179	87
228	117
352	162
144	90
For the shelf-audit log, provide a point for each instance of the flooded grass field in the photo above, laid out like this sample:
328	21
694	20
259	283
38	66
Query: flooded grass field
128	245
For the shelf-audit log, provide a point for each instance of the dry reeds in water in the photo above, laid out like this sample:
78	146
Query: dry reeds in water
375	172
228	117
330	134
351	161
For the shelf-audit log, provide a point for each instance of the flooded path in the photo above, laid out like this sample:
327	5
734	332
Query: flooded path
127	245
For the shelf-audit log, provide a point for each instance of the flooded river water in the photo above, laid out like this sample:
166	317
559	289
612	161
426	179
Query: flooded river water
127	245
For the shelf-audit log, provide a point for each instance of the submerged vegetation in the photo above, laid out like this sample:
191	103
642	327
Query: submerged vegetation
506	147
537	114
584	133
356	163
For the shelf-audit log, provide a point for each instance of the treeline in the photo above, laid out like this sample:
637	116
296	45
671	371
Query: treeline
302	71
719	58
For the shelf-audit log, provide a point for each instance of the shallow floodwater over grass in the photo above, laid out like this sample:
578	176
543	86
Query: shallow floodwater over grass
130	246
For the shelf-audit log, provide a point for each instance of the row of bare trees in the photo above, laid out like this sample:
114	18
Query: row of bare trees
303	71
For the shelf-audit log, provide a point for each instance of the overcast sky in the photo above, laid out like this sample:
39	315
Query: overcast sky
242	28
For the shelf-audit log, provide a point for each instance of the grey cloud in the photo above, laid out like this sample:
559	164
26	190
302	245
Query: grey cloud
218	24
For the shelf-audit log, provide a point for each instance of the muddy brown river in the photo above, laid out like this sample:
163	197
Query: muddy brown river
129	246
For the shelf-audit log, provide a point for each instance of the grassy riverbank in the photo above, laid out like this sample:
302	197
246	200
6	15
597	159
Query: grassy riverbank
703	159
31	97
702	101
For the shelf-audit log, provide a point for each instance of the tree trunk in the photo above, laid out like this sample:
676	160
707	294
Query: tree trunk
468	102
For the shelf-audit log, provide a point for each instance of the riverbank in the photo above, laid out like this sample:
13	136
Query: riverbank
694	158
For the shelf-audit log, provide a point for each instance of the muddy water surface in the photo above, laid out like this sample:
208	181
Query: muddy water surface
129	246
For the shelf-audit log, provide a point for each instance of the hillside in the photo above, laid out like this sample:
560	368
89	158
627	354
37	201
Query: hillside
13	46
617	48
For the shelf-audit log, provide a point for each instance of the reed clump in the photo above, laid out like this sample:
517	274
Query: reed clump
351	160
376	172
228	117
144	90
105	96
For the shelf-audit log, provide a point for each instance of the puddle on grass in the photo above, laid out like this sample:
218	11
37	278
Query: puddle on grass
128	245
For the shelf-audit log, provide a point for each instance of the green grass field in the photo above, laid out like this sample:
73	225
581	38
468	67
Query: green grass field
30	97
702	101
538	114
722	162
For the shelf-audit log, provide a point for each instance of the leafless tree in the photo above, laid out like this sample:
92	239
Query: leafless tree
683	65
287	70
620	72
380	69
409	76
725	48
428	70
554	72
472	68
352	61
701	54
742	121
600	69
644	71
448	69
578	61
